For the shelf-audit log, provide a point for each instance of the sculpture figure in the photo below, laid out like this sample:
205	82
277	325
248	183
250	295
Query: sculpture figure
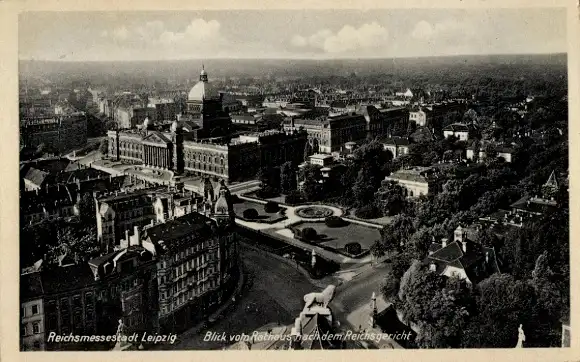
521	337
323	298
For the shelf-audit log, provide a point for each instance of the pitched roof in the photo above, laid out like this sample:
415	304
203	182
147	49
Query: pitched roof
457	127
36	176
398	141
156	137
534	205
194	224
473	261
63	279
552	180
315	328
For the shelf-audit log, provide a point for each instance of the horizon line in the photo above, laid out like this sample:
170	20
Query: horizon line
291	58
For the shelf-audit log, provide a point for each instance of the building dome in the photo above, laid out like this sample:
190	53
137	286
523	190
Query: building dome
202	90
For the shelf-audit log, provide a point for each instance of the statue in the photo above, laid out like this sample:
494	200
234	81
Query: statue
120	345
313	260
120	328
521	337
324	297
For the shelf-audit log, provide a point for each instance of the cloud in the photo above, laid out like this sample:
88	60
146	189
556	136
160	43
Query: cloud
347	39
449	29
199	33
121	33
422	30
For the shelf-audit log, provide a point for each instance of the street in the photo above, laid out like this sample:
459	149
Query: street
275	294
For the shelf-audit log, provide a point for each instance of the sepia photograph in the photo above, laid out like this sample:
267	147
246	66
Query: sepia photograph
293	179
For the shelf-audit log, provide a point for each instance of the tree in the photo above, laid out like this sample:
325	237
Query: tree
287	177
271	207
504	303
419	242
104	146
390	198
378	249
418	293
250	214
310	172
390	287
334	221
395	235
312	190
549	288
364	187
367	212
309	233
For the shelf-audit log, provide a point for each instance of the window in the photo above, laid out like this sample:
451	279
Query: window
34	309
35	328
23	311
23	330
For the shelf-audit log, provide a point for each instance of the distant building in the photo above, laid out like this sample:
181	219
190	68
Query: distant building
459	130
200	143
321	159
528	209
60	133
421	117
398	146
329	134
462	258
416	181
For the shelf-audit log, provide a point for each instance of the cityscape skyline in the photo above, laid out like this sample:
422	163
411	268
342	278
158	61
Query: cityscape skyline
304	34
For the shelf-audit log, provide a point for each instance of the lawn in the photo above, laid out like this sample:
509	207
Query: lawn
338	237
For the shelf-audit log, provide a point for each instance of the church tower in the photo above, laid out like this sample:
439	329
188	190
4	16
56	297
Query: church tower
550	188
224	212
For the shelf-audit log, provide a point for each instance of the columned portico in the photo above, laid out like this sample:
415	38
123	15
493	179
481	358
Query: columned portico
156	156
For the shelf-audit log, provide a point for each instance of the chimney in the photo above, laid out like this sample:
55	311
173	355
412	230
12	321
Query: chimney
127	235
444	242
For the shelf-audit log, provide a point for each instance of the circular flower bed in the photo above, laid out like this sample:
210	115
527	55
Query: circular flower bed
314	212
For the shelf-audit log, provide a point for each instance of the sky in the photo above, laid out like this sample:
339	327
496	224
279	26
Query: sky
296	34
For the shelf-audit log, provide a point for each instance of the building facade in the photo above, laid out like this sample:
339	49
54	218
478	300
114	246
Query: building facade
197	262
59	133
415	181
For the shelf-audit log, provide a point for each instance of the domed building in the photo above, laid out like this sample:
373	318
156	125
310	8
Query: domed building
199	143
204	109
